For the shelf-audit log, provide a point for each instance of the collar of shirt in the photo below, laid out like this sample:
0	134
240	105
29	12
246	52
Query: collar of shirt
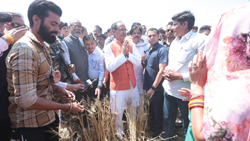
141	44
33	38
95	51
73	37
157	45
164	41
100	48
119	41
185	37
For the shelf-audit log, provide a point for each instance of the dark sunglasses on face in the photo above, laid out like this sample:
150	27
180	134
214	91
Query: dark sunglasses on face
172	31
15	25
162	32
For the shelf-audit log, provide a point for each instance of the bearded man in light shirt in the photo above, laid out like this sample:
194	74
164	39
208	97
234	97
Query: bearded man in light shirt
75	53
185	46
120	58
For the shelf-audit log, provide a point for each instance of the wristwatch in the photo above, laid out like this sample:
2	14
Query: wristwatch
153	88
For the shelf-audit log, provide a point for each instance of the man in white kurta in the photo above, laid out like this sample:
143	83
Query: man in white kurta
121	54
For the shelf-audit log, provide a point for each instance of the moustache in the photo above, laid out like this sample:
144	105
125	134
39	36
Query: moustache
78	31
137	37
53	32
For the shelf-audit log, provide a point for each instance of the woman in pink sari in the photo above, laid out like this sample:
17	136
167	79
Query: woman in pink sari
224	113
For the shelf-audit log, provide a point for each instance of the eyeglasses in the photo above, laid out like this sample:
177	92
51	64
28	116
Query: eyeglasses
122	30
15	25
172	31
162	32
78	26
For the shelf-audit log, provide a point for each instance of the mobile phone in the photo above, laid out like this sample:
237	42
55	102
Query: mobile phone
89	83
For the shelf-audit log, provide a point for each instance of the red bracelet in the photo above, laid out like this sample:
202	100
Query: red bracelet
200	96
195	107
78	80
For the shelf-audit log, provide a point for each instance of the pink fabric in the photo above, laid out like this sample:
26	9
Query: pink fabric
227	90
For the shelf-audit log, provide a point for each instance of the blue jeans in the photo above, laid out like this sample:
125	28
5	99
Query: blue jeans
170	108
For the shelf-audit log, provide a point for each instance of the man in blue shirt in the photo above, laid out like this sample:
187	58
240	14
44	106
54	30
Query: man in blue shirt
155	62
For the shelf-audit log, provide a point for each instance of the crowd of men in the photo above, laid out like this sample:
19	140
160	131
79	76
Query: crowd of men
53	59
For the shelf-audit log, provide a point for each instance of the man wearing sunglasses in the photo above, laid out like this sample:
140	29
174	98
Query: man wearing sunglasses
11	24
162	36
169	35
15	32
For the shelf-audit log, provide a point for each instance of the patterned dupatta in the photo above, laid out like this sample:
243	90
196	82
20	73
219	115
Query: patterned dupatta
227	90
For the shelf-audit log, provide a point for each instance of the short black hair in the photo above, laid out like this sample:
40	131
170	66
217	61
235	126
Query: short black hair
133	28
143	25
185	16
161	28
5	17
135	24
88	36
204	28
62	25
15	14
99	28
114	25
152	29
195	27
41	8
170	23
109	30
101	35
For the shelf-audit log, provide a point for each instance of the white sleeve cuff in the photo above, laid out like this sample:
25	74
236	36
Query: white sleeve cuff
62	84
185	77
75	77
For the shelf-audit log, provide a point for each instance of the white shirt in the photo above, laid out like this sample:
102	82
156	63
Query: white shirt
138	70
3	46
96	65
145	37
181	53
100	48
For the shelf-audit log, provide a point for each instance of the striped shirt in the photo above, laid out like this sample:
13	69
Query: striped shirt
28	75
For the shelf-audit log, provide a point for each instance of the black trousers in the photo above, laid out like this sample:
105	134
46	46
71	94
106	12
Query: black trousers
105	91
91	92
156	113
44	133
5	129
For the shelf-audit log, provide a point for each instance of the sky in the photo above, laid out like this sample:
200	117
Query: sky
152	13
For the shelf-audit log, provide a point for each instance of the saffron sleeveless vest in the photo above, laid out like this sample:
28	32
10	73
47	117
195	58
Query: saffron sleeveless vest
121	77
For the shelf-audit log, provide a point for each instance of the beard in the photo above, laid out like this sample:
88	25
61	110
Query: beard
45	34
77	33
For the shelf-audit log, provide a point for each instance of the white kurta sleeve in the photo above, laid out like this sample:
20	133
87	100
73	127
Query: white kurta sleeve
135	57
112	62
